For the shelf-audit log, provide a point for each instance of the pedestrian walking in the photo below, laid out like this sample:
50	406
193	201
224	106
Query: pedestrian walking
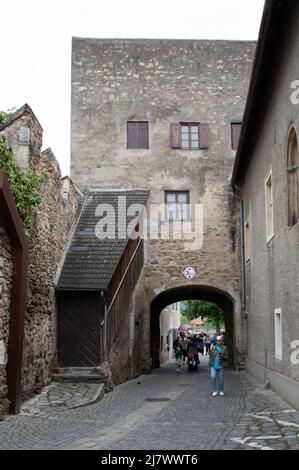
217	360
208	344
184	346
200	344
179	354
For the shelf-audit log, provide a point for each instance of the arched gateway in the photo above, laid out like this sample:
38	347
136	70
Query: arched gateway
192	292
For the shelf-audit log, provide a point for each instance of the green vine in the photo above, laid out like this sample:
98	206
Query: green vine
23	184
5	115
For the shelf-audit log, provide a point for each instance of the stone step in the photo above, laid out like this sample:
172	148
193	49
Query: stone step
78	374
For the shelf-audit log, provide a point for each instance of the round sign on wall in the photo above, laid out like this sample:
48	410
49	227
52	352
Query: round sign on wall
189	272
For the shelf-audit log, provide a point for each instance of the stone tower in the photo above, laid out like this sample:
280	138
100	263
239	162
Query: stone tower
165	115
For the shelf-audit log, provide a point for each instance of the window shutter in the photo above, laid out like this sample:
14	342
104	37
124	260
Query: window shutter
236	131
175	136
203	136
143	135
137	135
132	135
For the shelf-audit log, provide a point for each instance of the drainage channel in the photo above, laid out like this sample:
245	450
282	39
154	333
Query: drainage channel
157	400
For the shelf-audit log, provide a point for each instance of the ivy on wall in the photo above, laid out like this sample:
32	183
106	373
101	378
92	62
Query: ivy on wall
5	115
23	184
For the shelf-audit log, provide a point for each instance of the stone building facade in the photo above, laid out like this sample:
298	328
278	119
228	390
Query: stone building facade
24	134
166	86
266	175
53	219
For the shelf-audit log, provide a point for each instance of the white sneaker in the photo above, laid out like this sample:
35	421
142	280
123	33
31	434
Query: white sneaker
222	394
215	394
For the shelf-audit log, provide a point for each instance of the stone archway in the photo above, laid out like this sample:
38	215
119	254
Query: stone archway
192	292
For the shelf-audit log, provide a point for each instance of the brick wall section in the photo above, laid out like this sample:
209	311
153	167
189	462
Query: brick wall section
121	362
5	296
125	357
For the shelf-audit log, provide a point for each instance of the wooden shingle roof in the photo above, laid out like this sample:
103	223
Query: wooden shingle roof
91	262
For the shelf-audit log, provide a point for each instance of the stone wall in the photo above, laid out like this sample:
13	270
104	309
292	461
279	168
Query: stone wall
5	296
170	318
121	359
53	220
164	82
125	356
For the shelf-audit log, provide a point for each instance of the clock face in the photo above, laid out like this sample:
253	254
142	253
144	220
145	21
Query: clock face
189	272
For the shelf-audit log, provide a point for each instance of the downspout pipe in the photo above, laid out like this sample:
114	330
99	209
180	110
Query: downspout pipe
243	279
15	231
242	247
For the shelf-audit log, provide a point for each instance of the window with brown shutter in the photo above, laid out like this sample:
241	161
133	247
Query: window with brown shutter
137	135
175	135
204	136
235	134
190	136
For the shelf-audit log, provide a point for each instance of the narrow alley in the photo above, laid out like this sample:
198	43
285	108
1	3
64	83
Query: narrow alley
163	410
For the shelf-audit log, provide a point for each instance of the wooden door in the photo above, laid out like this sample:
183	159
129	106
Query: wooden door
79	329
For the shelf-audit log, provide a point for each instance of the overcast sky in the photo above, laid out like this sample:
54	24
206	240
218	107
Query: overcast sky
36	45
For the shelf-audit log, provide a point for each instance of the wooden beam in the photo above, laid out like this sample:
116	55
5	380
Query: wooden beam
14	227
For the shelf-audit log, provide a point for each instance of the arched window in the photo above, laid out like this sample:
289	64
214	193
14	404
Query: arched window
292	178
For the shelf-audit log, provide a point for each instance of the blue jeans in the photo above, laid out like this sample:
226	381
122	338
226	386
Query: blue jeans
217	375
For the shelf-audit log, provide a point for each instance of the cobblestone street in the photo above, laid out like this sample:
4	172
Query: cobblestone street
163	411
